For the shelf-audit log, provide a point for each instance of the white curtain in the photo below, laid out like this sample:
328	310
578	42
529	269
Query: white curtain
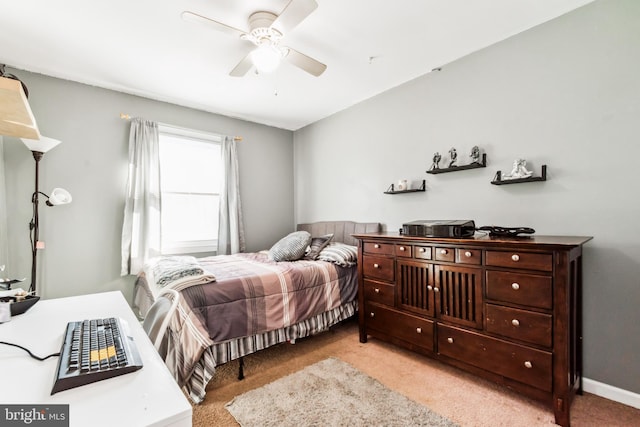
4	247
141	228
230	227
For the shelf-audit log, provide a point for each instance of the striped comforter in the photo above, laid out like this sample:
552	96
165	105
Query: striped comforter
251	298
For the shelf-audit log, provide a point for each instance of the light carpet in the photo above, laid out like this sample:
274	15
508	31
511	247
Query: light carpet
330	393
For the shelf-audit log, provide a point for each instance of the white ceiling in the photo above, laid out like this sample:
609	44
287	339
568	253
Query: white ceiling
143	47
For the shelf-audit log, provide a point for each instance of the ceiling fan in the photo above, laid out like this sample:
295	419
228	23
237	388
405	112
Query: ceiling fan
266	29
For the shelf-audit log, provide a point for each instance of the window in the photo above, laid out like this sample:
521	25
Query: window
190	172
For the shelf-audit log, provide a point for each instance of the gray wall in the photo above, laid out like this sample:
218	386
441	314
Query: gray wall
82	253
565	94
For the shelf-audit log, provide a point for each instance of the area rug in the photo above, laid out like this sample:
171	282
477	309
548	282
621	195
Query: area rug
330	393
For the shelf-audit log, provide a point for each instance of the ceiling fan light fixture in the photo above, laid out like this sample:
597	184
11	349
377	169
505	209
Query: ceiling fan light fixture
266	30
266	57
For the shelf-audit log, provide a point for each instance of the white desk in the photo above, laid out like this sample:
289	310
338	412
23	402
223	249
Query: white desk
147	397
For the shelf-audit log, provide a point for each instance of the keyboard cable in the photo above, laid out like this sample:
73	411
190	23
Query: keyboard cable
28	351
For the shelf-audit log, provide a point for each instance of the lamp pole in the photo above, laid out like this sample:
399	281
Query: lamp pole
38	147
34	224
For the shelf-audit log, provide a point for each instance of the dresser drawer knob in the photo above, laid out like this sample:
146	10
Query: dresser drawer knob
423	250
377	246
402	248
467	254
436	289
528	364
372	314
376	290
515	257
376	265
419	330
429	287
444	251
450	340
515	286
515	322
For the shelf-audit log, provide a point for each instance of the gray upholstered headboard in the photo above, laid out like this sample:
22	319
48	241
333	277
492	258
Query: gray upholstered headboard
342	230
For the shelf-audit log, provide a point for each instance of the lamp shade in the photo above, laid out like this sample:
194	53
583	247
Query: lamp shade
41	145
59	196
266	57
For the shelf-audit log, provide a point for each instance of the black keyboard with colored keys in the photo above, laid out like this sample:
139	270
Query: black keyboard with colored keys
94	350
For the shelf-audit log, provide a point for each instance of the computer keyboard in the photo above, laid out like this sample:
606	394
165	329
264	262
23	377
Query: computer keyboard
94	350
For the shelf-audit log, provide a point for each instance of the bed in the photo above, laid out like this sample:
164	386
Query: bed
235	305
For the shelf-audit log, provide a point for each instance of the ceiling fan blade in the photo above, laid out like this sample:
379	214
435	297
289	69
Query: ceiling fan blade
194	17
293	14
243	67
305	62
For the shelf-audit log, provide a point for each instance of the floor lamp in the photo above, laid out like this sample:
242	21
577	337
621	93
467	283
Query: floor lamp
58	196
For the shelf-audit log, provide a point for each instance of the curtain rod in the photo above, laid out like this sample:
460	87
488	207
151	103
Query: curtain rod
128	117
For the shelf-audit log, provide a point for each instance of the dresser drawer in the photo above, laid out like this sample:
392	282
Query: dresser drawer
422	252
523	260
514	361
404	251
412	329
444	254
522	325
378	248
525	289
381	293
378	267
469	256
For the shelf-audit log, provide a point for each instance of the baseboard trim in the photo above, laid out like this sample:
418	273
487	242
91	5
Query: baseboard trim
610	392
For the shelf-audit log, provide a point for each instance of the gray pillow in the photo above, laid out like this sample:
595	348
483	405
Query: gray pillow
291	247
316	245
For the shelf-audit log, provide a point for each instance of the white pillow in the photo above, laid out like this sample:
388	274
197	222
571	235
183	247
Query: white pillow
340	254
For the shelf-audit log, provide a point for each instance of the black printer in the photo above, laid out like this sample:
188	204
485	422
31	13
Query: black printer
439	228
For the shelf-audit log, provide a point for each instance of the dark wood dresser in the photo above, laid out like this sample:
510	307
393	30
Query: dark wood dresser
507	309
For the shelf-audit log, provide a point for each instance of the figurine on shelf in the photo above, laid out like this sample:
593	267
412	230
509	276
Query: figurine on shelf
519	170
436	161
475	154
454	156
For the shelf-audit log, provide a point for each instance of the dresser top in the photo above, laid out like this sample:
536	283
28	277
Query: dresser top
482	239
